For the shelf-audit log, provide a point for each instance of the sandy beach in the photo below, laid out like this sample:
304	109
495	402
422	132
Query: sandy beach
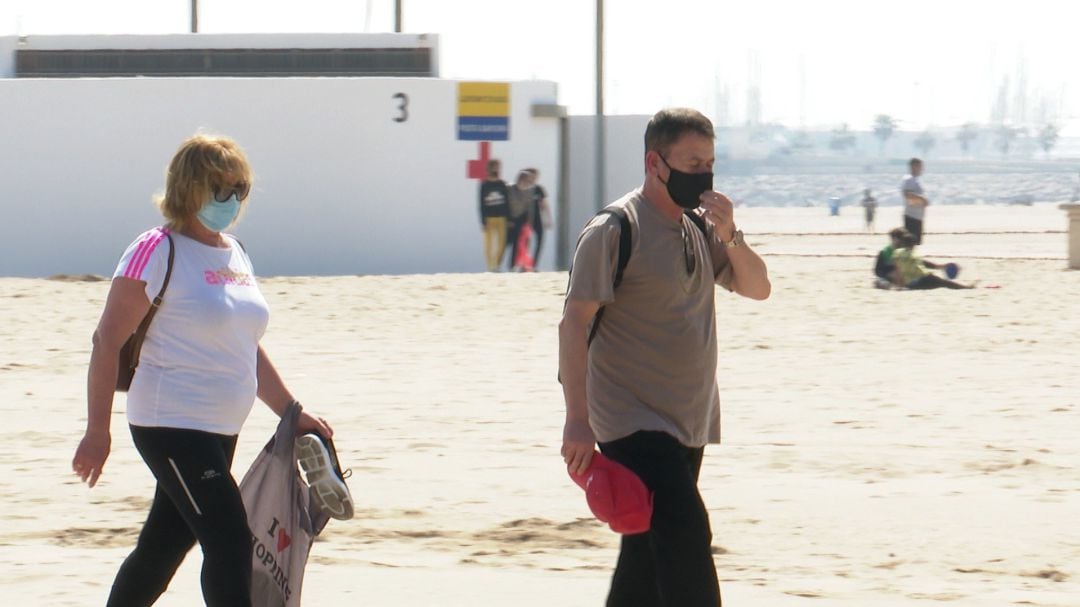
881	448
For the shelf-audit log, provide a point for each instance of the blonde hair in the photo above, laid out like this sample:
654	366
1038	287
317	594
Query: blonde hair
204	163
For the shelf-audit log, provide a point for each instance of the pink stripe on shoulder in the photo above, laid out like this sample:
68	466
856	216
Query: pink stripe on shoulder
143	250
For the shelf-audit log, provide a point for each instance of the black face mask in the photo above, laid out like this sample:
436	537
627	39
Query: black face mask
686	188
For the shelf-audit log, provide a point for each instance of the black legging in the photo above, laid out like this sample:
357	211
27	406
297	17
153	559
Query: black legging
196	498
671	565
513	232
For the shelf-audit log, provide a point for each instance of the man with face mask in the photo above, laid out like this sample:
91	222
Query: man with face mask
645	387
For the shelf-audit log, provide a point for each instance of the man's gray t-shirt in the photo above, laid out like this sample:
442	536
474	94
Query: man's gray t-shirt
911	184
652	365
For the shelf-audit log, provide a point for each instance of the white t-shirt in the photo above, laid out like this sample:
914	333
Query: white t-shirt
198	362
911	184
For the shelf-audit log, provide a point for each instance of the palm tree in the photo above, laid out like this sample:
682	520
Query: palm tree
801	142
842	138
925	142
969	131
1006	135
884	127
1048	137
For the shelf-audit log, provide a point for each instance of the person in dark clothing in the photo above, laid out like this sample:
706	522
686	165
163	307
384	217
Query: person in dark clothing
541	212
519	214
884	267
645	386
494	197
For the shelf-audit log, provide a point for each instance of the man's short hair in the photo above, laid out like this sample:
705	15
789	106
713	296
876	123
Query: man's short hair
914	161
899	233
670	124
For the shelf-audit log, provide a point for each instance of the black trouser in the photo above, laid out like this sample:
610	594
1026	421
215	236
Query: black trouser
915	227
513	232
196	499
670	565
933	281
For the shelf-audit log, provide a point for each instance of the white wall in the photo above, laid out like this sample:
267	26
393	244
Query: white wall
624	139
340	187
8	44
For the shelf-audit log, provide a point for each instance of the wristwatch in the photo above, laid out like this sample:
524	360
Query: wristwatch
736	240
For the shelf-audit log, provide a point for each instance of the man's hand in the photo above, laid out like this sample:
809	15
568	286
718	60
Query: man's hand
720	212
90	456
578	444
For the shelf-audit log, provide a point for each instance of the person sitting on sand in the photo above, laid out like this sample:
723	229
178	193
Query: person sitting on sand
912	269
884	268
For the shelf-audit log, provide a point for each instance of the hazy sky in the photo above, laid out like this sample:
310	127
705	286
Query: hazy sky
816	62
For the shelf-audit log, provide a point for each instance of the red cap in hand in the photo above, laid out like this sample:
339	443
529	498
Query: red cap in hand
616	495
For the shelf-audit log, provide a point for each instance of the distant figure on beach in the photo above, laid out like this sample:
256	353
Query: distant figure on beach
519	215
884	268
201	368
869	205
913	272
915	202
541	212
645	386
494	197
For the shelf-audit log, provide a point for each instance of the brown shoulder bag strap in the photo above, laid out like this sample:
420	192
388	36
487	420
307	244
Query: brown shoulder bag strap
140	333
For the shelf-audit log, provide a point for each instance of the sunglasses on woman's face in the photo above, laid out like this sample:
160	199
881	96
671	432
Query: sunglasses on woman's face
241	189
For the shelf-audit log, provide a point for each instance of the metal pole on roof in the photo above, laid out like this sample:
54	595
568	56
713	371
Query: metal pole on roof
397	16
601	194
194	16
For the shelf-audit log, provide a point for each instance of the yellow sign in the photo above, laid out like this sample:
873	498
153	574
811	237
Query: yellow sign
484	111
483	99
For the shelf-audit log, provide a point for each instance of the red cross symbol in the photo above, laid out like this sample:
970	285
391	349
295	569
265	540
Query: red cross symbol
477	169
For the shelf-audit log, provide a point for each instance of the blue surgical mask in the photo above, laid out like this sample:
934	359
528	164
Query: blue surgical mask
217	216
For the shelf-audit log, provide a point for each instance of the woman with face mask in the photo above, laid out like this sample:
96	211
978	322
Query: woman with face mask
200	369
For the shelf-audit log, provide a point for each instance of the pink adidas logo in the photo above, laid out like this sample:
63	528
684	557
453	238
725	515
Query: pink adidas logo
226	276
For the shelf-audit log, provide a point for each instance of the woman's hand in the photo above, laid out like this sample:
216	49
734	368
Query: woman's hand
309	423
90	456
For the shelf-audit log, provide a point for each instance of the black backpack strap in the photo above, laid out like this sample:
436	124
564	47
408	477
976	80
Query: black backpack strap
625	241
625	245
699	221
